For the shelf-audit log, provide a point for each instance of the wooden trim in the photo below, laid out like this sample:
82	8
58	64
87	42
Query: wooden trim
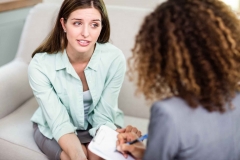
6	5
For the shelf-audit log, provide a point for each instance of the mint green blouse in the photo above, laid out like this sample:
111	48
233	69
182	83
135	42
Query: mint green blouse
59	91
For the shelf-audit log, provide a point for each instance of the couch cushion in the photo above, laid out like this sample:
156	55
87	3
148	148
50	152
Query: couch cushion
16	136
13	82
12	151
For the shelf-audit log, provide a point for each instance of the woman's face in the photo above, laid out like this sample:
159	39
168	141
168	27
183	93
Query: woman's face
83	28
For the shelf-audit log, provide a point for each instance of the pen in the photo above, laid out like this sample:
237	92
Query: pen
139	139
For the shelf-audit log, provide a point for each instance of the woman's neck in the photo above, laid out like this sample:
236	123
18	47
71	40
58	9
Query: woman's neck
78	57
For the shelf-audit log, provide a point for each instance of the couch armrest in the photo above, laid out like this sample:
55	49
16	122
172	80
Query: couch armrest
14	86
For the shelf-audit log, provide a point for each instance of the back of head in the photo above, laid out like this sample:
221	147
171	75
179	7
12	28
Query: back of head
188	48
57	40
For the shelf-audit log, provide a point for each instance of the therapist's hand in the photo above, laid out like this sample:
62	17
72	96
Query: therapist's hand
136	150
130	128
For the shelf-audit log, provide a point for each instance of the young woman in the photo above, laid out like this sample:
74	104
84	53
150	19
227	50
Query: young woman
76	78
187	56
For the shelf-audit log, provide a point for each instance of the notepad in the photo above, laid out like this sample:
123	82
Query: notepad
104	144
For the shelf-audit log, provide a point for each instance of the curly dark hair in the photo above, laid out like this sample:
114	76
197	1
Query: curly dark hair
189	49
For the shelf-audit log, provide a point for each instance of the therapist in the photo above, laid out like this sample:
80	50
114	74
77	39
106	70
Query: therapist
187	60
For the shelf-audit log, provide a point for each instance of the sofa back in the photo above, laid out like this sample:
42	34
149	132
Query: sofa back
38	25
125	22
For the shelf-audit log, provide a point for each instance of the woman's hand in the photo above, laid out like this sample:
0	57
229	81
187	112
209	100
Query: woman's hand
128	129
136	150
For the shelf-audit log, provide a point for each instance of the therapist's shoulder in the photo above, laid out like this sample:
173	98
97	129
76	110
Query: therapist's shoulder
172	107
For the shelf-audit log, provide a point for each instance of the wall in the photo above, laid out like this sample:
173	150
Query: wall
11	26
129	3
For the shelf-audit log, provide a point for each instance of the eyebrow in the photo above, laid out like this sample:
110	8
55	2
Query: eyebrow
82	19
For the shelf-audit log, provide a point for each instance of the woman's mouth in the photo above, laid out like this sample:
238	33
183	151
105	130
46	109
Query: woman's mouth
83	43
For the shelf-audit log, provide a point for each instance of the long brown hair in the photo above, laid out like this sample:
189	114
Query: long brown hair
57	40
190	49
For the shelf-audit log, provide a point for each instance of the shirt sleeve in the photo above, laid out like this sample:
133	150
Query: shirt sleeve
53	110
162	135
106	110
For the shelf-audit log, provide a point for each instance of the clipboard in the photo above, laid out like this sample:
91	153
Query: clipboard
104	144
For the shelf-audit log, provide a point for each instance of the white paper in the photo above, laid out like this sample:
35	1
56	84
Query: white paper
104	144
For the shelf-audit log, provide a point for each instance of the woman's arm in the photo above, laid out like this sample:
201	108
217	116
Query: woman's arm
52	108
71	145
105	112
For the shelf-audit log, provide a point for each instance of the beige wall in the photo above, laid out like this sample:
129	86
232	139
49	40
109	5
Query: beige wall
135	3
53	1
130	3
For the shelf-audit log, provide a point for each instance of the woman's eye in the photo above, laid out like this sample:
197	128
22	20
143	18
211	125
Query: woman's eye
94	25
77	23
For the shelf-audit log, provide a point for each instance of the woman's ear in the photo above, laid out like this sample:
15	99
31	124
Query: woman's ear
63	24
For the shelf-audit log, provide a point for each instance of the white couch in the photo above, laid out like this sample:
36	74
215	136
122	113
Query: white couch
17	103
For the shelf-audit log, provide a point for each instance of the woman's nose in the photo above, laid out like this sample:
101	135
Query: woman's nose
85	31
